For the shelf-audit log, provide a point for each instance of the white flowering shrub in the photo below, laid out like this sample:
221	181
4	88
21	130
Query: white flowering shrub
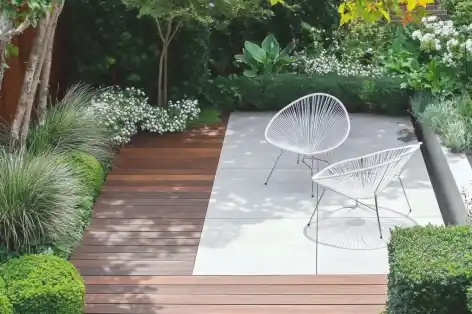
327	62
444	41
343	57
126	111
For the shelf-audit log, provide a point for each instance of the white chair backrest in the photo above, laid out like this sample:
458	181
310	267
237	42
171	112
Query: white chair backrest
316	123
370	173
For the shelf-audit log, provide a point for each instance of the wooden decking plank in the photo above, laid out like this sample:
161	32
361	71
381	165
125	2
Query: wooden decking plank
146	222
236	299
130	268
140	242
241	280
231	309
136	256
239	289
152	202
144	188
158	250
154	195
142	235
150	213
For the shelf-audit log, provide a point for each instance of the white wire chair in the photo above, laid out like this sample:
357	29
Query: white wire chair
309	126
365	176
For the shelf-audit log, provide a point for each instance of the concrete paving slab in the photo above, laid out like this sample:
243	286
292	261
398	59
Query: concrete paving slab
255	247
255	229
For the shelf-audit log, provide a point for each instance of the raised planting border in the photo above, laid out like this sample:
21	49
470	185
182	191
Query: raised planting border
444	174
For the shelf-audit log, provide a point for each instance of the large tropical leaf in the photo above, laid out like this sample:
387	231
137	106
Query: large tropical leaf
287	50
249	59
271	47
256	52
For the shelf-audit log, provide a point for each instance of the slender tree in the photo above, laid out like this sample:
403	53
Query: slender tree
171	15
37	68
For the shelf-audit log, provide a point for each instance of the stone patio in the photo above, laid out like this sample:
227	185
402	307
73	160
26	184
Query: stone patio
253	229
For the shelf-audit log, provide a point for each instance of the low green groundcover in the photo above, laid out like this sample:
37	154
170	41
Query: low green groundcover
5	304
43	284
430	270
358	94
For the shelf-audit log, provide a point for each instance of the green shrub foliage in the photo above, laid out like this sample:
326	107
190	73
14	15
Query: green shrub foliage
88	170
274	92
5	305
430	270
44	285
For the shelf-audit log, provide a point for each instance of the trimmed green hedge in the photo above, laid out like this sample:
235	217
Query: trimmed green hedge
89	170
430	270
273	93
5	305
43	284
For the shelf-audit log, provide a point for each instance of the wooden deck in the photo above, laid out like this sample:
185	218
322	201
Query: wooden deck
137	256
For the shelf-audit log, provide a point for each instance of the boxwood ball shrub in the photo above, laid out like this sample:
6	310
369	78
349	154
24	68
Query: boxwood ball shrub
430	270
89	171
381	94
5	305
43	284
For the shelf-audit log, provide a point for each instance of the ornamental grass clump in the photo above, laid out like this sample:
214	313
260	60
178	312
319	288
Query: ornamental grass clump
39	196
70	126
451	119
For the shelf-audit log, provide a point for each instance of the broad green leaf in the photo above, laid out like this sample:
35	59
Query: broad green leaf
239	58
256	52
287	50
271	47
248	59
249	73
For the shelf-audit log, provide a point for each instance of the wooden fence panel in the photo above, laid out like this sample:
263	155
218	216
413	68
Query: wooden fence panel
13	79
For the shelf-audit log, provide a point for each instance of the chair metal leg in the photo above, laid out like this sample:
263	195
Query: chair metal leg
311	176
298	159
316	207
378	218
404	192
275	164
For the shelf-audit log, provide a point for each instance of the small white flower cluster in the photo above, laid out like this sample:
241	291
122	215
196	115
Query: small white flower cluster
443	39
126	111
327	62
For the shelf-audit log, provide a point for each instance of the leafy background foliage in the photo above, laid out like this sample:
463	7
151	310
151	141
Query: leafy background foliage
123	50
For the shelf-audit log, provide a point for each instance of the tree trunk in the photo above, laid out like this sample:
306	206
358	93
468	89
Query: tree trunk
37	74
3	51
161	63
28	80
166	58
45	74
